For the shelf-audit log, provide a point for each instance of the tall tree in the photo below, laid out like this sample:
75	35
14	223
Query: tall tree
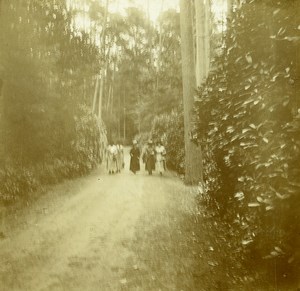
202	28
104	66
229	9
207	29
200	42
193	155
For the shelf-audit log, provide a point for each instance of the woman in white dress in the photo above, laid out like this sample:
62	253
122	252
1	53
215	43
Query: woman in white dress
160	157
120	157
112	153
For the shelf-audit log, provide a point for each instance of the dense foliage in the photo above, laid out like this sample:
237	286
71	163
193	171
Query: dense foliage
248	119
169	129
48	132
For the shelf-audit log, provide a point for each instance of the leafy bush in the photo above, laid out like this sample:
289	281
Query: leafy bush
169	129
82	156
248	118
16	181
47	130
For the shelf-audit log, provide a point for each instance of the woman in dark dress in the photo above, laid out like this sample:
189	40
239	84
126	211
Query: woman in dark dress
135	157
149	157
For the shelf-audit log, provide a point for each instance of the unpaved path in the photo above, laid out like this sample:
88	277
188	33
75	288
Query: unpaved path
93	237
116	232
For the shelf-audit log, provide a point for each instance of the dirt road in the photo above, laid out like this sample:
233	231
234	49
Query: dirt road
119	232
102	232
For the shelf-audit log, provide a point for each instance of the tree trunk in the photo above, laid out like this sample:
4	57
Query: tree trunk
1	81
229	10
200	43
202	15
108	99
149	35
207	36
112	88
101	90
193	156
159	49
84	88
103	66
112	99
124	113
95	95
119	115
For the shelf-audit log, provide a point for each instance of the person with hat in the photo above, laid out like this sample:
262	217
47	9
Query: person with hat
149	157
135	157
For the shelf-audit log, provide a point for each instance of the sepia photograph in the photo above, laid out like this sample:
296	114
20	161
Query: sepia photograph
149	145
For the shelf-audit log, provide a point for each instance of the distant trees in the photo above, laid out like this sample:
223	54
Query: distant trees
60	62
140	68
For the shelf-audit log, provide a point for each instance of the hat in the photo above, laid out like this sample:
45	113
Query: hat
134	142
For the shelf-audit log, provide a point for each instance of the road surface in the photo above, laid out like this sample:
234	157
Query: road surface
103	232
119	232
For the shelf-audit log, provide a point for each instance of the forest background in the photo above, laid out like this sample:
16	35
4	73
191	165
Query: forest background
65	90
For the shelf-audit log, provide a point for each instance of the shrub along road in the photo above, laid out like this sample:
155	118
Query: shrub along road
115	232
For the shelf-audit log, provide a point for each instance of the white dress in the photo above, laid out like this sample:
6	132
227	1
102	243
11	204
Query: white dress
160	158
120	159
112	152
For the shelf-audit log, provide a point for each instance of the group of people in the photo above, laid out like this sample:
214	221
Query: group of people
114	158
153	156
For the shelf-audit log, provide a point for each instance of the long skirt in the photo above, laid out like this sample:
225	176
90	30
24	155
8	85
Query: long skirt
134	164
111	163
160	166
150	164
120	161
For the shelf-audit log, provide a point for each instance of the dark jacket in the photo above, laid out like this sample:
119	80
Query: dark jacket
135	159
